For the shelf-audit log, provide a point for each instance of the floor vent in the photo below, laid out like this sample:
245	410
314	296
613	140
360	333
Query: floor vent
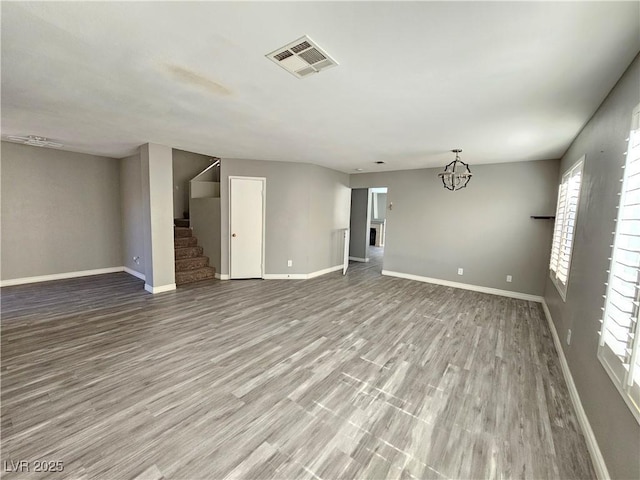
302	58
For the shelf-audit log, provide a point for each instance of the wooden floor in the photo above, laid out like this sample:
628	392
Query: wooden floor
363	377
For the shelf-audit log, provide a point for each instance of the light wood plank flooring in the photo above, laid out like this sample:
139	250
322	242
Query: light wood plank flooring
363	377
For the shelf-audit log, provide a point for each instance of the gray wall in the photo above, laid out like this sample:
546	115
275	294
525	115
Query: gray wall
603	141
484	228
60	212
287	205
157	219
329	212
205	221
186	165
359	225
132	218
305	207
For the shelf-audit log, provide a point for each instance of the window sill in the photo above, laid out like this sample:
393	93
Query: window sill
562	289
635	409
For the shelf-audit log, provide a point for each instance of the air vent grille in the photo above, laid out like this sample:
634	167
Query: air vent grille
312	56
323	64
302	58
283	55
306	71
300	47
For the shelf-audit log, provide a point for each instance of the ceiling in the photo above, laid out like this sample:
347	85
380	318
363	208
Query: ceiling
504	81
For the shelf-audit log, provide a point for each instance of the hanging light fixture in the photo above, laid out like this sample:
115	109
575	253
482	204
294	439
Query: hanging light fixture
457	174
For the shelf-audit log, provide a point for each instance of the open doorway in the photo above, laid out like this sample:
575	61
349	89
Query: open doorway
368	228
377	224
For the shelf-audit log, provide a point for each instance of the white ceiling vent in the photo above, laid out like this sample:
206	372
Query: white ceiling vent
302	57
34	140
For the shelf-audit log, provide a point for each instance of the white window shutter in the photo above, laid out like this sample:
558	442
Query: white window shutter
619	347
564	228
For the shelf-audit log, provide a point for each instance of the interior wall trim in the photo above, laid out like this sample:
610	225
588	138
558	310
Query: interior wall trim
301	276
135	273
325	271
285	276
465	286
592	444
59	276
160	289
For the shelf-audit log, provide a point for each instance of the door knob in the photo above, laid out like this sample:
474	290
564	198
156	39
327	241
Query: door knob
233	234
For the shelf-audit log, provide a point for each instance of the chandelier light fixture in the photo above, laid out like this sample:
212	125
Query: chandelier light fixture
457	174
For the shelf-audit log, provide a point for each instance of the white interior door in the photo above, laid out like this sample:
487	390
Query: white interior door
246	223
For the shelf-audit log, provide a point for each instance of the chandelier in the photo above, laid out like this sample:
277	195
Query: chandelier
456	175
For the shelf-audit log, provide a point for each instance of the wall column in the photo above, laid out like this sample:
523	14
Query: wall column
360	220
157	214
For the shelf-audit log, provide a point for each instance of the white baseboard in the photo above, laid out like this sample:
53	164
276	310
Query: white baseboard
160	289
325	271
592	444
300	276
358	259
466	286
59	276
285	276
135	273
222	276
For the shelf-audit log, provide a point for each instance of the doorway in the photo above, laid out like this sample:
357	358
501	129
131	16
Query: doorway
377	225
246	227
368	227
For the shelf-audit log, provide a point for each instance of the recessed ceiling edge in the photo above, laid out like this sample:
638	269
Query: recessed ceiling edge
33	140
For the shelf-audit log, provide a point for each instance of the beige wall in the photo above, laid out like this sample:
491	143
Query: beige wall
60	212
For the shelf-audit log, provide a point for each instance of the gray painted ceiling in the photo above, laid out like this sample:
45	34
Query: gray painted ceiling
504	81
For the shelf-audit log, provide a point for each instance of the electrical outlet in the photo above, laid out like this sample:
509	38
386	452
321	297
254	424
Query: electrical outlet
509	278
136	260
460	271
569	337
289	263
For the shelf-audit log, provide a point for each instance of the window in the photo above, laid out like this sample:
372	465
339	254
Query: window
564	228
619	348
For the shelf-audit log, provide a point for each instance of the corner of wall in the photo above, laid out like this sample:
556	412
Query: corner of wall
590	438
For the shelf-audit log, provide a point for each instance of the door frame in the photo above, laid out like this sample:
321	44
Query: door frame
388	205
264	219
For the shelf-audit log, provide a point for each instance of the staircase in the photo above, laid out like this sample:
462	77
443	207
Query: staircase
191	264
